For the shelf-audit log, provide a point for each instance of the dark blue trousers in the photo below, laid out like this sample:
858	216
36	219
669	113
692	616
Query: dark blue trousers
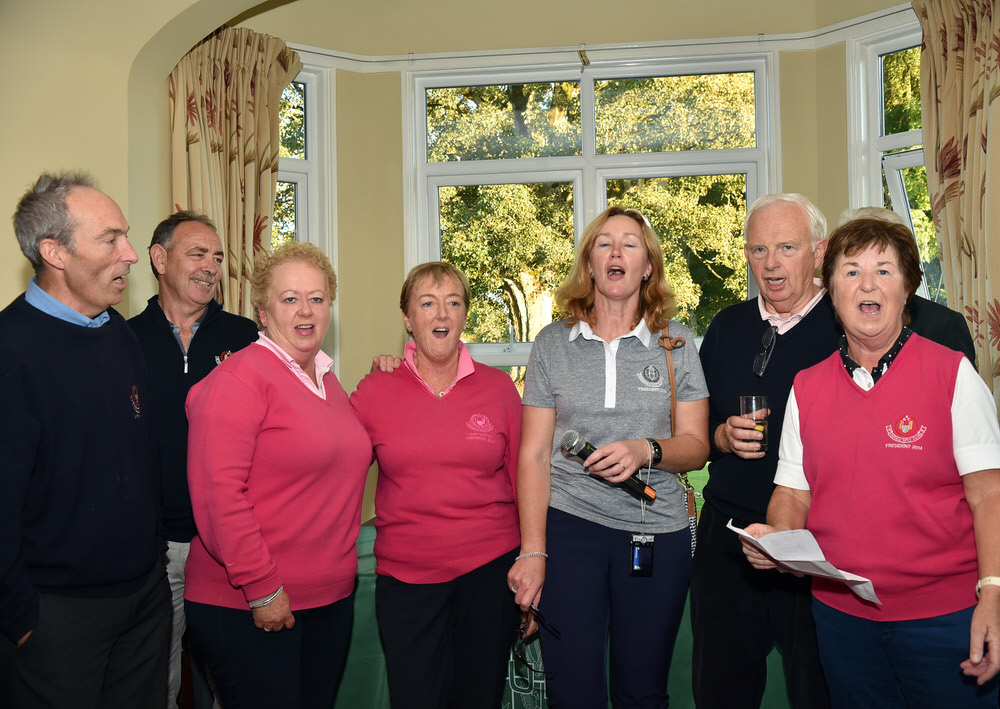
910	664
290	669
603	612
447	644
97	652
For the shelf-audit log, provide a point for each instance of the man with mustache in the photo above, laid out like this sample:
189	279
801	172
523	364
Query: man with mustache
184	334
83	594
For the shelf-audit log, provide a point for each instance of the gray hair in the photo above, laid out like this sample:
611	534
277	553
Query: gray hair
817	222
42	213
881	213
163	234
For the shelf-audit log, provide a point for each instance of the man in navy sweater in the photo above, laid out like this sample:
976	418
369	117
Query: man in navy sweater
83	592
737	613
184	334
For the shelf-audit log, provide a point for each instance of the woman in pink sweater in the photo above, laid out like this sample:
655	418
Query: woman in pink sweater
446	432
890	456
276	465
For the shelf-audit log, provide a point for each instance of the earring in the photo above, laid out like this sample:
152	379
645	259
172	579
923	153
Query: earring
645	278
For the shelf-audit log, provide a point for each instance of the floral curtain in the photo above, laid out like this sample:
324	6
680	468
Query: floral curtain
224	97
960	89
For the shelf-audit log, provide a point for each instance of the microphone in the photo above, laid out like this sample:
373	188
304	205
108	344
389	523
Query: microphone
575	444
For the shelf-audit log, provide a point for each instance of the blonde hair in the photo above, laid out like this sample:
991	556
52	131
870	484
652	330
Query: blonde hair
657	303
265	263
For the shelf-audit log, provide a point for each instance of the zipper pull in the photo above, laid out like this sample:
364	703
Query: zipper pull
185	363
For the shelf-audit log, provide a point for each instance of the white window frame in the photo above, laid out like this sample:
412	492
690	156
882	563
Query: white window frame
315	176
866	144
868	155
589	171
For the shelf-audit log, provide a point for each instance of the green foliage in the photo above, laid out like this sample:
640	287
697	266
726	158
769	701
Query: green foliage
503	121
515	244
901	91
292	116
283	225
700	112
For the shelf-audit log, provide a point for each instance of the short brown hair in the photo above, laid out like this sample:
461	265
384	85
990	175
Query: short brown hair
657	303
438	271
859	235
265	263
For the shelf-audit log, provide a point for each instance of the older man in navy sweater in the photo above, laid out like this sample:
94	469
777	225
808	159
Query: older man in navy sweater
83	592
184	334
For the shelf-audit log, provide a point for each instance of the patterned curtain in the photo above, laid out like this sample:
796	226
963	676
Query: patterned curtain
224	97
960	89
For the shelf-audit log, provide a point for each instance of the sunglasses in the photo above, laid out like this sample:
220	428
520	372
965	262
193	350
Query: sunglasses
518	651
767	342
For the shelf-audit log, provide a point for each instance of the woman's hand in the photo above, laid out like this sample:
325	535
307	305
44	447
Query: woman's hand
275	616
385	363
757	558
985	630
617	462
525	580
738	436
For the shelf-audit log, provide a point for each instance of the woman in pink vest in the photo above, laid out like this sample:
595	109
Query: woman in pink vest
890	457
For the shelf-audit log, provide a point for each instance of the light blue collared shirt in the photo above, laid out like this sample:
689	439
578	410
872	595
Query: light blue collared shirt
38	298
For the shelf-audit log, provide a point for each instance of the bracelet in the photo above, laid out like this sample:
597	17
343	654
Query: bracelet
986	581
531	554
261	602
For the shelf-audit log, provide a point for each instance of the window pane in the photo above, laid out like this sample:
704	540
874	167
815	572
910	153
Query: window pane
283	228
503	121
515	244
915	184
901	91
699	220
292	114
700	112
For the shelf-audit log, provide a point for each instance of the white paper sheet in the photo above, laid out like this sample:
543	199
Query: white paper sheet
797	550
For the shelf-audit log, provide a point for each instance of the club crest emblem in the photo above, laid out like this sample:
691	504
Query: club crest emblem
906	430
650	376
135	400
220	358
479	423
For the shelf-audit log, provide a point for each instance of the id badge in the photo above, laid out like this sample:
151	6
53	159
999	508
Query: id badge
642	555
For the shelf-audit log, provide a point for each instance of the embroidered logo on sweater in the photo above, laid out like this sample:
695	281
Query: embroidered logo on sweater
651	378
135	400
906	431
480	427
479	423
220	358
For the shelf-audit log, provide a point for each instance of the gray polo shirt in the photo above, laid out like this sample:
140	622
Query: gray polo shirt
610	392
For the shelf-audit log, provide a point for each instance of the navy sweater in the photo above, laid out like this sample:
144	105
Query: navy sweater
219	334
742	488
79	491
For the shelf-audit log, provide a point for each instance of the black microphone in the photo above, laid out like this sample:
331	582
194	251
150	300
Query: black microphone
575	444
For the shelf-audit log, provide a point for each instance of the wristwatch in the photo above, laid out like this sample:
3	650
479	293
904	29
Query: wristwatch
657	450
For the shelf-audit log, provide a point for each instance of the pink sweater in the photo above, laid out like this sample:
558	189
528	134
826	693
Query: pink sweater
887	500
276	476
444	503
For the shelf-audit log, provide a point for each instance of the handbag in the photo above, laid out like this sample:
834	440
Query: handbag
672	343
